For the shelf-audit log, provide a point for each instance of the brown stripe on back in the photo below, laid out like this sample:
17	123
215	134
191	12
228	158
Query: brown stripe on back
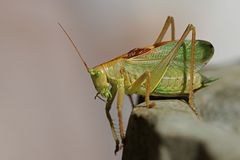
135	52
138	51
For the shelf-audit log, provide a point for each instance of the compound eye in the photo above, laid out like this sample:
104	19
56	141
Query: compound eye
97	74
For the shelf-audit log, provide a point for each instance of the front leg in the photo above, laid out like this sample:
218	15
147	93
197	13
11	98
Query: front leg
117	89
107	110
120	95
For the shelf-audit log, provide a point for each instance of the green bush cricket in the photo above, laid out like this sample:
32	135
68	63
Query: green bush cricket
169	69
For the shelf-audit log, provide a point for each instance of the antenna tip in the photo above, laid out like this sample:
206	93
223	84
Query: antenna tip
59	24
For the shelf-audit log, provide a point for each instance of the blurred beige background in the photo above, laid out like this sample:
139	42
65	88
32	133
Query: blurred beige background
47	106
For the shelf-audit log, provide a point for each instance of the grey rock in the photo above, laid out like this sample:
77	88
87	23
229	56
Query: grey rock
170	131
219	103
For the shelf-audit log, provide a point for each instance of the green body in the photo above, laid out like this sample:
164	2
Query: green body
169	69
176	78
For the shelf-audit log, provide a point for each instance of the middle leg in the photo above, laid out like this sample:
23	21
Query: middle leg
138	84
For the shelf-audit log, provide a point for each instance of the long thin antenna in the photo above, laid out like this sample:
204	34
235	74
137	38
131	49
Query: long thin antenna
78	52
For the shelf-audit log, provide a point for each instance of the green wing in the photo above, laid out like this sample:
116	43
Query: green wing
203	53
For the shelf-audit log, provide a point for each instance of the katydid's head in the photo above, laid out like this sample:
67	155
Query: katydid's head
100	82
98	75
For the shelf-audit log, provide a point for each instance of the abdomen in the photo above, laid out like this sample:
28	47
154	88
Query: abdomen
176	83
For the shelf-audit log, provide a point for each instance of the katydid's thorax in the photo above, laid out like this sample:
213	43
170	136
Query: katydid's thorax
112	68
